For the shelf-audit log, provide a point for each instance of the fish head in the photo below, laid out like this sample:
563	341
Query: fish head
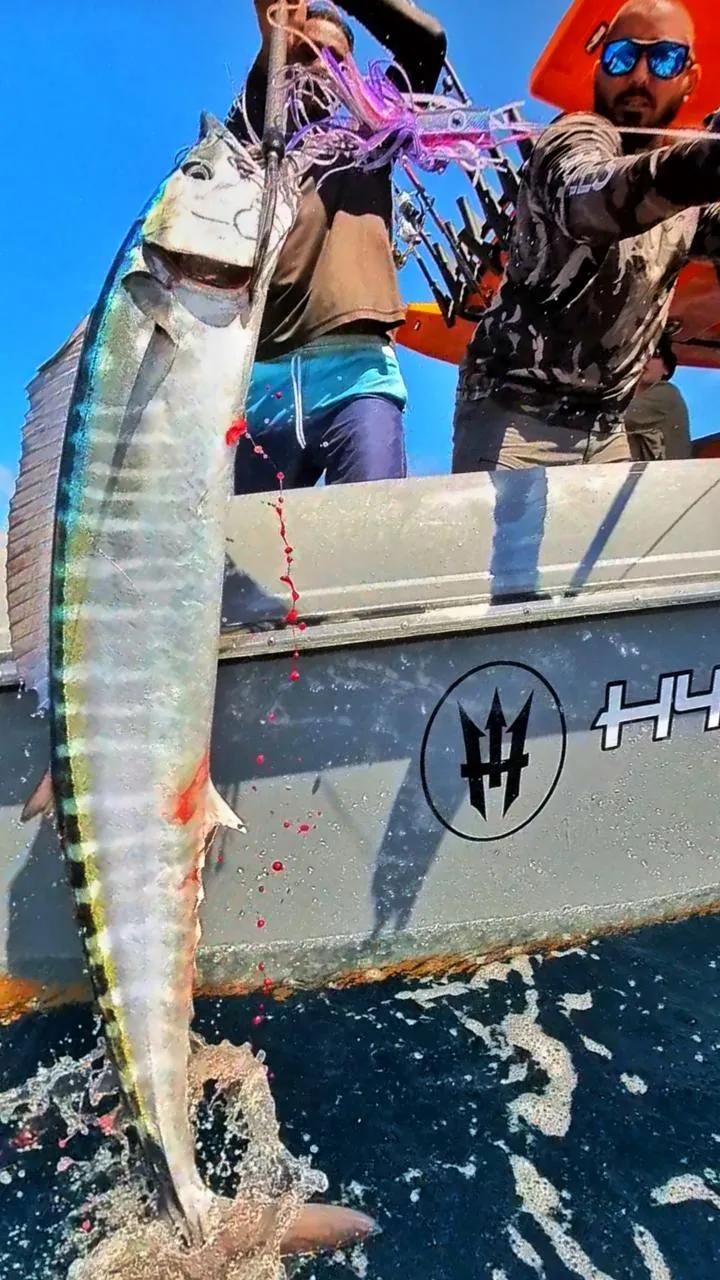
206	219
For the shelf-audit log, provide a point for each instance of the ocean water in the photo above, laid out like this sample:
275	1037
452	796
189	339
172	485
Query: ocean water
556	1117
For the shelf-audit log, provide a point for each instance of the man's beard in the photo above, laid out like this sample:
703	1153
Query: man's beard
625	118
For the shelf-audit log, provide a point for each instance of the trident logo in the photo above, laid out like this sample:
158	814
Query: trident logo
496	767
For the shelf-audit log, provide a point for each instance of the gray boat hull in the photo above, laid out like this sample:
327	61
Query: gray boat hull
504	734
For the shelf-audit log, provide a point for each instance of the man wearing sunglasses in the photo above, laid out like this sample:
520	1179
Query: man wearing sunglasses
607	216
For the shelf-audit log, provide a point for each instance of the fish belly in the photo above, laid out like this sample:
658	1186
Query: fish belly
137	586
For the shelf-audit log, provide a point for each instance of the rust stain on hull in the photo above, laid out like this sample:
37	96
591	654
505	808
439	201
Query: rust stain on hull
19	997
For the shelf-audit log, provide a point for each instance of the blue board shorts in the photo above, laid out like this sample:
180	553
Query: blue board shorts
334	407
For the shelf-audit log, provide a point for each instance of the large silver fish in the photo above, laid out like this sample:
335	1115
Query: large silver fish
136	572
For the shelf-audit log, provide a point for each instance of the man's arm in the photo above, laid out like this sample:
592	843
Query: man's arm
707	237
415	39
599	195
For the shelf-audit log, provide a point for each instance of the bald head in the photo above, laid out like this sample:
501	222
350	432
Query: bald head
659	19
641	99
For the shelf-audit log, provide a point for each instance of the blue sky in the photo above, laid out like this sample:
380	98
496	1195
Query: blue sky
100	97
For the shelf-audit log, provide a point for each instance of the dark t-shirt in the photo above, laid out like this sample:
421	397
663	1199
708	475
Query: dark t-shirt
336	269
599	241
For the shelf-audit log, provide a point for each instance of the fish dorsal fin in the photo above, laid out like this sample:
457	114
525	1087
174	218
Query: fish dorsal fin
32	513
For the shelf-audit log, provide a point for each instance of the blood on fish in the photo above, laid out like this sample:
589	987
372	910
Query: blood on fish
236	430
188	801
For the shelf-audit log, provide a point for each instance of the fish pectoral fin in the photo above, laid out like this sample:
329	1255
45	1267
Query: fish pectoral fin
153	299
219	814
41	801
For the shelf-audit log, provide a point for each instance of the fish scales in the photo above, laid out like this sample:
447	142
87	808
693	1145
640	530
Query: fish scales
162	377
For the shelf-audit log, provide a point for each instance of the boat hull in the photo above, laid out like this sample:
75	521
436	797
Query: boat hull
447	778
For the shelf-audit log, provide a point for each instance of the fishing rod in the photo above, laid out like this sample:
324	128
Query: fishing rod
273	140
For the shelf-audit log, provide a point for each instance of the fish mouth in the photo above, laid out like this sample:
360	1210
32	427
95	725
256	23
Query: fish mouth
208	272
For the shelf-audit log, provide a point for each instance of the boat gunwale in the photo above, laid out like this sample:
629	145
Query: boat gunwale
443	620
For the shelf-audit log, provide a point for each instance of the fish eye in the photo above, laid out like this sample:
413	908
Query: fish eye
457	120
198	169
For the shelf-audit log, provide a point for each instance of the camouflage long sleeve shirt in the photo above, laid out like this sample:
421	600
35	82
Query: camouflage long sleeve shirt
599	241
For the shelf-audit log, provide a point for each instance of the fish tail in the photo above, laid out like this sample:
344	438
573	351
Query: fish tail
186	1203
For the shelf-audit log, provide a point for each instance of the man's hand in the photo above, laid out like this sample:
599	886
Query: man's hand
297	17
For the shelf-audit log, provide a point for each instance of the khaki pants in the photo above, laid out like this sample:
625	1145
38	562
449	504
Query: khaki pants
489	437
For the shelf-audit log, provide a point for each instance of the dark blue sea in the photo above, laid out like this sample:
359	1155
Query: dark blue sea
556	1118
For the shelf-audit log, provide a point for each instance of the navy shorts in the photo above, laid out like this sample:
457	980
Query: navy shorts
333	408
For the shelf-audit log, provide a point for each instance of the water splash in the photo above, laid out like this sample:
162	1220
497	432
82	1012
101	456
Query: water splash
69	1117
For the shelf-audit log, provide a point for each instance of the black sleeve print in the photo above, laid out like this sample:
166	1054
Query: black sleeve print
598	195
415	39
707	239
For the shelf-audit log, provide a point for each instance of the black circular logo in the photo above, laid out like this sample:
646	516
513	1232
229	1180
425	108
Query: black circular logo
493	751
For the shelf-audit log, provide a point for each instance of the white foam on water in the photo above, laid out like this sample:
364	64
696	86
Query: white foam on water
551	1110
542	1202
491	1036
356	1191
500	972
578	1002
425	996
499	1275
650	1252
593	1046
467	1170
633	1084
358	1261
686	1187
517	1072
524	1251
